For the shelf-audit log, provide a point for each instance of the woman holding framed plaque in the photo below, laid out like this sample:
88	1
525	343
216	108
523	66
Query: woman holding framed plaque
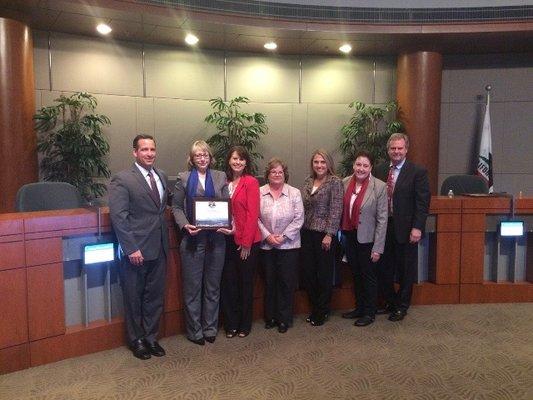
282	216
242	245
202	249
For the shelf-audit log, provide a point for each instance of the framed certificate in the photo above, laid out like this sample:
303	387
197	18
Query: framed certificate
209	213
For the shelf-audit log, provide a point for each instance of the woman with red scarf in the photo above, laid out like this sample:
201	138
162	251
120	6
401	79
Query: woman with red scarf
364	226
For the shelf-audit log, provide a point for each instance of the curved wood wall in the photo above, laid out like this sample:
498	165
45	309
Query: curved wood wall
18	155
418	92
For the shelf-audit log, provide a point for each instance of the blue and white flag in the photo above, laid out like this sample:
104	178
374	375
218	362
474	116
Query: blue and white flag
484	163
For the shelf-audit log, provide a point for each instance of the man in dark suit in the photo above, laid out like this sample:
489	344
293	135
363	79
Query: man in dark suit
409	196
137	200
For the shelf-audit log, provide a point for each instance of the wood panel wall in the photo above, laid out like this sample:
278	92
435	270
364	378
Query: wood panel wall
17	106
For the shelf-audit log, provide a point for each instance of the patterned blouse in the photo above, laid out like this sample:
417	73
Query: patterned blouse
282	216
323	208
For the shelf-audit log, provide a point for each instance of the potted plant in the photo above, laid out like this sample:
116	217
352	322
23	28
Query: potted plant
368	129
73	147
235	127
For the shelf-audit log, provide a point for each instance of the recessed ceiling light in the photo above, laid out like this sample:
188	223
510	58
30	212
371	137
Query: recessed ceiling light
345	48
104	29
271	46
191	39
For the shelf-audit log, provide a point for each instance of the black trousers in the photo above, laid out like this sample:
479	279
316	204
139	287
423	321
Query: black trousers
400	261
143	291
237	291
364	273
318	267
281	274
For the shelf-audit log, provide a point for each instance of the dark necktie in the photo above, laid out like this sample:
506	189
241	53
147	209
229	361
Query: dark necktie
390	187
153	187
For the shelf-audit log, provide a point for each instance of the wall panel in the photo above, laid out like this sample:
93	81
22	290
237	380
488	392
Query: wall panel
40	60
462	110
323	127
46	301
337	80
14	323
122	112
262	78
96	65
278	142
183	73
177	124
300	157
385	81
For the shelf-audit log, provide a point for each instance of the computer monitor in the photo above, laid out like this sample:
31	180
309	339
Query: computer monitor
98	253
511	228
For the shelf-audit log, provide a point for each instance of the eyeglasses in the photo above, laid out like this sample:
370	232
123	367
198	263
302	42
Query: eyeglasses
200	156
276	173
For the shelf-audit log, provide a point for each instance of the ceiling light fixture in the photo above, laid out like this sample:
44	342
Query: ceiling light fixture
345	48
191	39
103	29
271	46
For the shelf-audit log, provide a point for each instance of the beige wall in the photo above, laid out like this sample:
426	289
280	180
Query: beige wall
305	108
169	96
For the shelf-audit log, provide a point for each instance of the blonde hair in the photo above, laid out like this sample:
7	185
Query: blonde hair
199	145
327	157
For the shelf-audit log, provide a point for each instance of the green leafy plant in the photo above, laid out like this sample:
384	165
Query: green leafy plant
235	127
73	147
368	129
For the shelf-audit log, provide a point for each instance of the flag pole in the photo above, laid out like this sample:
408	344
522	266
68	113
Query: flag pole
488	88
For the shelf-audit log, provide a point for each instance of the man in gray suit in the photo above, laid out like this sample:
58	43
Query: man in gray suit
137	202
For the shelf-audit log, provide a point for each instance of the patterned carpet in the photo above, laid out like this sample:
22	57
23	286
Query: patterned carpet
482	351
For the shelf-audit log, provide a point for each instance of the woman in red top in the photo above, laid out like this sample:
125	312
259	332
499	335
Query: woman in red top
242	245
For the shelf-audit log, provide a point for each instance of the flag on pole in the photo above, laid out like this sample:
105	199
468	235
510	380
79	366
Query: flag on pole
484	163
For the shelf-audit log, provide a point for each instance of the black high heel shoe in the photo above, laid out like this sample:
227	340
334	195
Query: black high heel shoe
231	333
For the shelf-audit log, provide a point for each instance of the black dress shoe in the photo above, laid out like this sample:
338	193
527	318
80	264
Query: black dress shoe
271	323
199	342
352	314
319	320
155	349
364	321
385	310
243	334
139	350
282	328
210	339
397	315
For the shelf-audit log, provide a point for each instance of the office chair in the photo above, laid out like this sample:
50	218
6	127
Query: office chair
41	196
464	184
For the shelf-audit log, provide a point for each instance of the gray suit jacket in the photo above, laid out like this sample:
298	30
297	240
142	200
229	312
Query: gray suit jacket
374	214
179	201
137	221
